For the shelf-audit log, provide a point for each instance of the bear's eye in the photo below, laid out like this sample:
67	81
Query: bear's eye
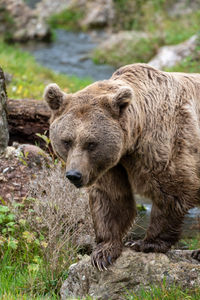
91	146
67	144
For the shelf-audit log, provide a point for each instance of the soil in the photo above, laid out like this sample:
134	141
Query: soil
17	167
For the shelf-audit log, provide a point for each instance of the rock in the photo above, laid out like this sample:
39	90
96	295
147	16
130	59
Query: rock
85	243
169	56
125	47
183	7
4	135
122	37
21	22
10	152
99	13
32	155
32	150
46	8
131	272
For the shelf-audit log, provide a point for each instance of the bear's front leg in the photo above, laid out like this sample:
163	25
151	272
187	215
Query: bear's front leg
164	229
113	210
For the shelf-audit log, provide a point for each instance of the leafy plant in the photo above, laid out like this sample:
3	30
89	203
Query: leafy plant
22	157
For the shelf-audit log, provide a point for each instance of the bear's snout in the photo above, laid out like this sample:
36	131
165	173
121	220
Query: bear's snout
75	177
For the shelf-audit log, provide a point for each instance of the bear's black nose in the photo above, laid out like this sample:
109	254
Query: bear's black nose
75	177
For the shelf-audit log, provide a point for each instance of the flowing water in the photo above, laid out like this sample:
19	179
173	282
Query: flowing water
32	3
191	225
70	54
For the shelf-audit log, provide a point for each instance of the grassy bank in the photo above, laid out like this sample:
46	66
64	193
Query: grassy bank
153	18
29	78
188	65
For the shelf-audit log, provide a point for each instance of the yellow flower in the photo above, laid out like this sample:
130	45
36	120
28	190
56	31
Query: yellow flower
28	236
44	244
2	240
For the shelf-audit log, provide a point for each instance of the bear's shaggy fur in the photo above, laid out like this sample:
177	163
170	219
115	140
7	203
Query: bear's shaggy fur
138	132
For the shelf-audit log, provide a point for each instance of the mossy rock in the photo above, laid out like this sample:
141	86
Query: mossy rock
127	47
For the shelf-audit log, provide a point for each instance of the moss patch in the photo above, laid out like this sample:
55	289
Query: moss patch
68	19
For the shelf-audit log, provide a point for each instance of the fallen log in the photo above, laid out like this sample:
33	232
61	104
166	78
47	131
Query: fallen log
26	117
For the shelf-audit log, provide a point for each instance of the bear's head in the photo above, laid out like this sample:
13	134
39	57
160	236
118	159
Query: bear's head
87	128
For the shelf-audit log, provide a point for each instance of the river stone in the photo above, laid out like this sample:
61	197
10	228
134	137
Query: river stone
169	56
4	135
131	272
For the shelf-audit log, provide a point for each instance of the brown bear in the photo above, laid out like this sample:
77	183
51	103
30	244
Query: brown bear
137	132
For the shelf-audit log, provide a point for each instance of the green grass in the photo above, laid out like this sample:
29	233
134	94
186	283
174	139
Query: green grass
23	276
192	243
25	271
130	51
152	16
188	65
162	292
68	19
29	78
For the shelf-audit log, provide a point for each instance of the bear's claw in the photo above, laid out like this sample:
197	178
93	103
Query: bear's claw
104	255
149	246
100	262
196	254
100	265
129	244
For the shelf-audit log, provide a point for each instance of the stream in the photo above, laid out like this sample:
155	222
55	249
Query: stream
191	225
70	54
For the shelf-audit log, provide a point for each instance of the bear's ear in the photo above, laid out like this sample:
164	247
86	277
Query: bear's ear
54	96
122	99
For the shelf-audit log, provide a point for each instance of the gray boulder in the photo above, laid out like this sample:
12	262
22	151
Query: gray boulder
98	13
20	22
131	272
183	7
122	37
46	8
169	56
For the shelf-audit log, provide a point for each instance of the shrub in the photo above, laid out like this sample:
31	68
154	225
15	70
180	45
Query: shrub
60	214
